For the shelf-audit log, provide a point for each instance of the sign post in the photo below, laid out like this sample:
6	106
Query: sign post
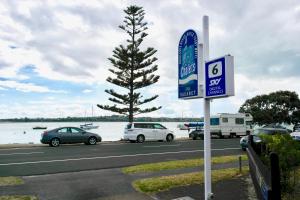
207	143
200	78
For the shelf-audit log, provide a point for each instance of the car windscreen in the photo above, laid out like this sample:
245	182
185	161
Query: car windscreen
269	132
263	131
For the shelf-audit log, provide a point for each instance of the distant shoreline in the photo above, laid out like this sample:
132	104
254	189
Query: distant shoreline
100	119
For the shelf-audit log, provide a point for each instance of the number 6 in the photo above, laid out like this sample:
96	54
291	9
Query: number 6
215	70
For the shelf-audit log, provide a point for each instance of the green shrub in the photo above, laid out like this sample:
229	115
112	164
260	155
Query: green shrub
288	151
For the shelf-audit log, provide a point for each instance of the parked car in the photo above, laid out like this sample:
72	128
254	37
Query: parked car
296	128
295	135
65	135
278	126
141	132
257	132
197	133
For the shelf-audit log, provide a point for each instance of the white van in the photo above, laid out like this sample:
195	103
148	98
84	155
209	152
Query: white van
141	132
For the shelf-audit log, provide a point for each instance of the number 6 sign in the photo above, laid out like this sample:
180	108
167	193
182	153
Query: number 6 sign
215	69
219	79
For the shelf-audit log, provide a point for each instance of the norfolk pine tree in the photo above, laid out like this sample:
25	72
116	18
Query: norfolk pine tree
133	68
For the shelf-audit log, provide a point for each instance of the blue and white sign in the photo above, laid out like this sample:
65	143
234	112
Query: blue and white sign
219	78
188	65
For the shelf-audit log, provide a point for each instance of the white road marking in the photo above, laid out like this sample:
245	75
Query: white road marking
105	157
28	153
171	145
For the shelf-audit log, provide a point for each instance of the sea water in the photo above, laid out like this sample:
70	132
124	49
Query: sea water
22	133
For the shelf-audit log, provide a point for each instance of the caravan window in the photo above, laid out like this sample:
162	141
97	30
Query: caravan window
239	120
225	120
214	121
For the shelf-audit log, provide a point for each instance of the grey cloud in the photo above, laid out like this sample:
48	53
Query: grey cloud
108	16
41	18
50	40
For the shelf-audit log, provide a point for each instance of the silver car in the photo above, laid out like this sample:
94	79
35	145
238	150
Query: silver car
64	135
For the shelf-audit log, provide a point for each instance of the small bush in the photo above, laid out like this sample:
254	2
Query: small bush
288	151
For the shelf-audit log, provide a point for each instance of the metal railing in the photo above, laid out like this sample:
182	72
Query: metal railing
266	179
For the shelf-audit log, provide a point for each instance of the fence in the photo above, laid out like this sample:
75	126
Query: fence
266	179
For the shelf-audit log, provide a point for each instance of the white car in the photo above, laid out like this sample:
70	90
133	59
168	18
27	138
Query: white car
141	132
295	135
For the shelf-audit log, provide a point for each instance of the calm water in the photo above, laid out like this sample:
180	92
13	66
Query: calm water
109	131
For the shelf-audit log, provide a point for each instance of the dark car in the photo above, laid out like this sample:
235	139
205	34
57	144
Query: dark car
67	135
198	133
296	128
264	130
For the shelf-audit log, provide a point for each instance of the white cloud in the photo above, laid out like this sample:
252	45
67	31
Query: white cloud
1	88
27	87
87	91
71	41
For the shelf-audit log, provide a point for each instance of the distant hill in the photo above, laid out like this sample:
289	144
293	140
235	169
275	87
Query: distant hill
112	118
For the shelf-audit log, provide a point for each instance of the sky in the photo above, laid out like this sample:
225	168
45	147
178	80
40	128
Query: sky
53	54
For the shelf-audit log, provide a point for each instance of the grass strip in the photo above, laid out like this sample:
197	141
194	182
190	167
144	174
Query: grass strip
157	184
18	197
179	164
10	180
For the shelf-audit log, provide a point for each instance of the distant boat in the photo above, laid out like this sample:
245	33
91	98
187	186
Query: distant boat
88	126
39	127
195	124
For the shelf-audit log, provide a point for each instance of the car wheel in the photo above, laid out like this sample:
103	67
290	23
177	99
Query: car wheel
202	137
194	138
92	141
140	139
169	138
244	149
54	142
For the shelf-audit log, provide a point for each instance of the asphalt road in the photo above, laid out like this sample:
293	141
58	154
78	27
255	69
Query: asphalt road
73	158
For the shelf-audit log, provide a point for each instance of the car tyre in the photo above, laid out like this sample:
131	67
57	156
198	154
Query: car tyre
140	138
169	138
54	142
92	141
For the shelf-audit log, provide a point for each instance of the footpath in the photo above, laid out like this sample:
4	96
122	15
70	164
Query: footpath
112	184
239	188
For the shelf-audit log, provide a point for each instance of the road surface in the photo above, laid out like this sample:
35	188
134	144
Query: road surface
80	157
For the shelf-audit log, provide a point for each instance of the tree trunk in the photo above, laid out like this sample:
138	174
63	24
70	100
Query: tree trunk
130	117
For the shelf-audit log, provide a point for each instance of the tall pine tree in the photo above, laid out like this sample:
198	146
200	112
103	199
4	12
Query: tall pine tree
133	68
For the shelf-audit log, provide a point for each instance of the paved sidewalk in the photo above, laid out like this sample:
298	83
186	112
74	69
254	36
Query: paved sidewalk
234	189
107	184
112	184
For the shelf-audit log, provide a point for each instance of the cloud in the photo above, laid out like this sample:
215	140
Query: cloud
27	87
71	41
87	91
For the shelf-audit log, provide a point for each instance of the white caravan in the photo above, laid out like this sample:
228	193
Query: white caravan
230	125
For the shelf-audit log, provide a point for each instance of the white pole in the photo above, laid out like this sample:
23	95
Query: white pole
207	142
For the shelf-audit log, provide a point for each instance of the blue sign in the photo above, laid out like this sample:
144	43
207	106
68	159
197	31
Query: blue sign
215	78
188	65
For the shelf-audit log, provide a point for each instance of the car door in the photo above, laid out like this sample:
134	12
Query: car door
160	132
64	135
77	135
149	132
